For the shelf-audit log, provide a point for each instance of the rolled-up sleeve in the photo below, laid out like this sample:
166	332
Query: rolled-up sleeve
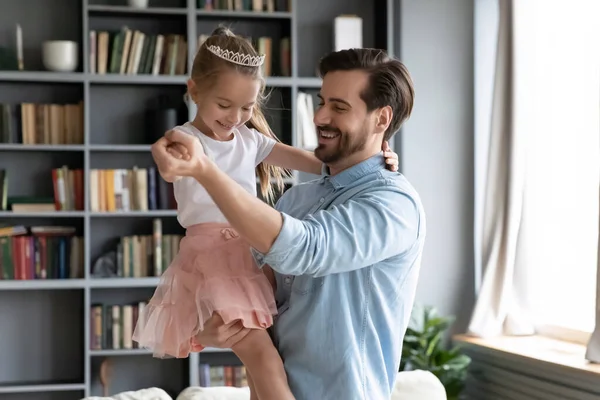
363	231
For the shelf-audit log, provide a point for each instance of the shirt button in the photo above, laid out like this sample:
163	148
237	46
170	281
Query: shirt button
287	280
322	200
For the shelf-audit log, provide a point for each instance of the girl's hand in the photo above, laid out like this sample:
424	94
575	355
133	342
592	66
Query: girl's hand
391	158
178	151
178	154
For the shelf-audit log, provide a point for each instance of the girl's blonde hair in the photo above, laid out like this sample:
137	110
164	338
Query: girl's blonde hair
207	66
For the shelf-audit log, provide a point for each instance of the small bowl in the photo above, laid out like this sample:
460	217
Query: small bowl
60	55
138	3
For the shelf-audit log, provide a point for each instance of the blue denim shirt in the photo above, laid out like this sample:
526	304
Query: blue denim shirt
347	261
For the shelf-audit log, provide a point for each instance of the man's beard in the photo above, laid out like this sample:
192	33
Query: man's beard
347	145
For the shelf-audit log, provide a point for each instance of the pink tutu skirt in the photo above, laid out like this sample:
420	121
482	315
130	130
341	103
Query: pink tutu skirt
214	272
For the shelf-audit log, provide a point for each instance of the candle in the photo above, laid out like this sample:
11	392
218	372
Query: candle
20	47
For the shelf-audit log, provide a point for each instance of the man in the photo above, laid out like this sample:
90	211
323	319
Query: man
346	248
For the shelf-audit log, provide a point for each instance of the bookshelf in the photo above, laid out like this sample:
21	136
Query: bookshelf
45	335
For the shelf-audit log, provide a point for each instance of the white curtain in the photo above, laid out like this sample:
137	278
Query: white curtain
499	308
538	144
593	347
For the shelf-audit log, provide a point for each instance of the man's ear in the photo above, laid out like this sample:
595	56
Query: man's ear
384	119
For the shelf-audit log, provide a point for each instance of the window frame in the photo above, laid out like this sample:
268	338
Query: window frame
563	334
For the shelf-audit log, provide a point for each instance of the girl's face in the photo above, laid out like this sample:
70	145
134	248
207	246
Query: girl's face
227	105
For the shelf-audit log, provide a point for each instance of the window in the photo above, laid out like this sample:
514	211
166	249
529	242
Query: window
557	104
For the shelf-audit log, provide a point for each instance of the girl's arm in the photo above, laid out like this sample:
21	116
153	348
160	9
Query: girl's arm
290	157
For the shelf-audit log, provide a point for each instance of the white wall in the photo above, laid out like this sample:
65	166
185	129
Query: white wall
437	146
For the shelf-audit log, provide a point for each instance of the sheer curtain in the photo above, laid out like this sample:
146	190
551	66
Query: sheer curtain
498	309
538	220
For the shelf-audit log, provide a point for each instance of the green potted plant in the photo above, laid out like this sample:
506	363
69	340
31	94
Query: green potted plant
424	349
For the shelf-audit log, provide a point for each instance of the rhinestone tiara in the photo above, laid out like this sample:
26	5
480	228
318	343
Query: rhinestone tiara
236	57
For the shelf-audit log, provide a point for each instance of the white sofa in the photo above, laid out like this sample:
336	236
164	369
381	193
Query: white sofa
413	385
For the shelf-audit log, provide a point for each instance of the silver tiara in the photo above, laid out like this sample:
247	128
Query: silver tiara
237	58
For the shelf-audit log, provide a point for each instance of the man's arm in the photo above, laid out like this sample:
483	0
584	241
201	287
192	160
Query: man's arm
361	232
255	220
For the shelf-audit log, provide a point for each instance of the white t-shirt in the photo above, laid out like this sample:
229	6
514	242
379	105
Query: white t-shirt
238	158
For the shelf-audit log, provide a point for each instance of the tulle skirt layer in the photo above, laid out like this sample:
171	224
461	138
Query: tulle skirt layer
214	272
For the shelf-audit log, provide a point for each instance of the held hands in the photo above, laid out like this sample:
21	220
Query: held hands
178	154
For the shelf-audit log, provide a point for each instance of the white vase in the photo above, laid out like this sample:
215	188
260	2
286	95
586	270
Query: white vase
60	55
138	3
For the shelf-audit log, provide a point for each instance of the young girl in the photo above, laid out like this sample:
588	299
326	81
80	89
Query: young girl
214	271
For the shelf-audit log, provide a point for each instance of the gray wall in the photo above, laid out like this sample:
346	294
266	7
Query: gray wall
437	146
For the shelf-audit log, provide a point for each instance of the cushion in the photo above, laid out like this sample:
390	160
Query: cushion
410	385
143	394
418	385
215	393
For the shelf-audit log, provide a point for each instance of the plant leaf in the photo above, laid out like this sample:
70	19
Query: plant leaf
460	362
423	349
433	344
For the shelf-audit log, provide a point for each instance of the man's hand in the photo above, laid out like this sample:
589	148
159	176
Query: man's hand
220	335
391	158
178	154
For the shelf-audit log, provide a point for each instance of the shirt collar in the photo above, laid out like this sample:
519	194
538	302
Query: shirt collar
356	171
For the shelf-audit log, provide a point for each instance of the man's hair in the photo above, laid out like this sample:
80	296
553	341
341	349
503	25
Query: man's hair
389	83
